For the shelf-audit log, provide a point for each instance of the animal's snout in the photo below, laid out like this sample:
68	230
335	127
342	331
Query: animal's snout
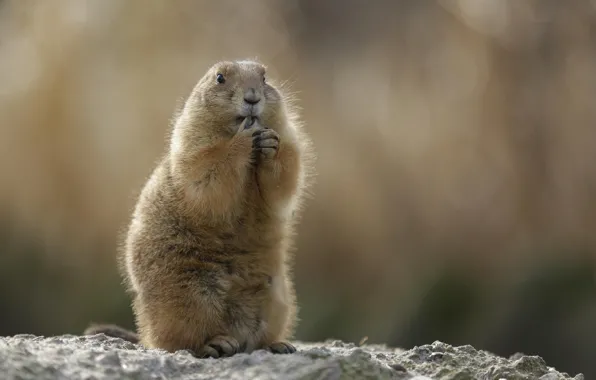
251	96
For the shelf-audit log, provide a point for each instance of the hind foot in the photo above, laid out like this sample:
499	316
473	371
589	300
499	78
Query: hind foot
282	348
219	347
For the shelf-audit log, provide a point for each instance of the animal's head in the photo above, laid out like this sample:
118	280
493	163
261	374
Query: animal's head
231	91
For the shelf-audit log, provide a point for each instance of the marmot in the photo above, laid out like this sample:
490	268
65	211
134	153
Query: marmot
206	256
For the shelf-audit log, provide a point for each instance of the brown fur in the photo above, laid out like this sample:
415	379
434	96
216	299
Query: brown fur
207	253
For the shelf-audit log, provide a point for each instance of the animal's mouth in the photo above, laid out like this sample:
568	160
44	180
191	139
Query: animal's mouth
254	110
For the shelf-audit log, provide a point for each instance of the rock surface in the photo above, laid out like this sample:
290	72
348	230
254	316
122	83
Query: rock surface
102	357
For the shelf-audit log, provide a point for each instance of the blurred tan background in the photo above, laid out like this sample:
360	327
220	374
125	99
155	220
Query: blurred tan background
456	188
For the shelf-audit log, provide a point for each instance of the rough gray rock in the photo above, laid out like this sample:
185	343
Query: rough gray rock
102	357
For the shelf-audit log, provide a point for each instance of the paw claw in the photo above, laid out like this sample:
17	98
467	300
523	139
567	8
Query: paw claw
248	127
220	346
208	352
282	348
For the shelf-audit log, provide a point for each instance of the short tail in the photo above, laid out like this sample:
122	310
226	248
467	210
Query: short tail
113	331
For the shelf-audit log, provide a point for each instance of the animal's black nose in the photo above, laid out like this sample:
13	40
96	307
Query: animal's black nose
251	96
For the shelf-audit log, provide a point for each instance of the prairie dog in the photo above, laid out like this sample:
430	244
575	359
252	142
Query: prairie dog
207	253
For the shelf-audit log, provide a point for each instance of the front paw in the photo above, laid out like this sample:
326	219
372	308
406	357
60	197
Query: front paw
265	143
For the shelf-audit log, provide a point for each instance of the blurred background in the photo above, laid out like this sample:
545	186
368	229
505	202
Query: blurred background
456	189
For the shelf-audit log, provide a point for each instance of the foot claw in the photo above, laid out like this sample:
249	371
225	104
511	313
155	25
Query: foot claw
219	347
282	348
208	352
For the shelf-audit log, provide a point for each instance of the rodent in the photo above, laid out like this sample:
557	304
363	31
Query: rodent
208	252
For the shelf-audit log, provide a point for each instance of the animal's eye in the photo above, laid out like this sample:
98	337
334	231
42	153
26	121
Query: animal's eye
220	79
264	79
